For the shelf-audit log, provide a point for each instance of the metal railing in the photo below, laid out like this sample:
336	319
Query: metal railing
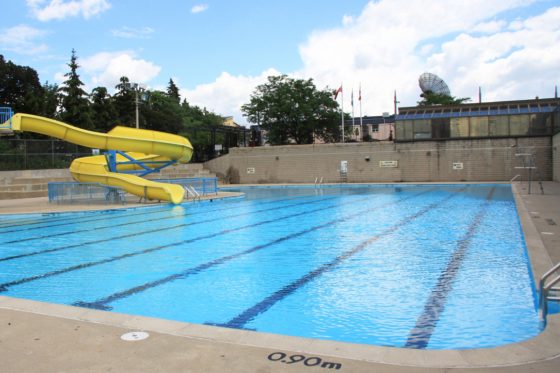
6	114
88	193
548	291
36	154
202	185
191	192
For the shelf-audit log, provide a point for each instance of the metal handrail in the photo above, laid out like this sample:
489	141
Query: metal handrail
515	177
190	189
544	289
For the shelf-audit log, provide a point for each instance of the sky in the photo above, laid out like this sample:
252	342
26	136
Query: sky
218	51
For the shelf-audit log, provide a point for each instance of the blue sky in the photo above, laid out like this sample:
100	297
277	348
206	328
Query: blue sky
219	51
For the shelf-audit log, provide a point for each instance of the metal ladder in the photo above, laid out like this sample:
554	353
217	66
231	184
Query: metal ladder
529	164
548	291
318	182
189	189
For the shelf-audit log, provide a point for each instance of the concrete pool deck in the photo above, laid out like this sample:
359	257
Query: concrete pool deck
36	336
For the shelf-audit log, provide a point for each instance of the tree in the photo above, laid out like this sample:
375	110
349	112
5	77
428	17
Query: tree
173	91
20	88
105	114
431	98
50	100
163	113
293	110
75	105
125	102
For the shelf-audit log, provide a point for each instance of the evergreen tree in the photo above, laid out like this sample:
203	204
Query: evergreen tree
125	103
105	115
173	91
75	105
50	100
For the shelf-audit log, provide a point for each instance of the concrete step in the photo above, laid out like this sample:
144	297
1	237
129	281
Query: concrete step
23	187
19	195
37	180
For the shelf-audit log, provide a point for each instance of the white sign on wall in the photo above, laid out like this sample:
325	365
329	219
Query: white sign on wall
388	163
344	167
250	170
457	165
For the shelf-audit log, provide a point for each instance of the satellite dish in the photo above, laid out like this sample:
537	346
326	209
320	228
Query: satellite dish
432	83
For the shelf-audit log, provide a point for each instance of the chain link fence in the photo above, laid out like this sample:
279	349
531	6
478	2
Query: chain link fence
28	154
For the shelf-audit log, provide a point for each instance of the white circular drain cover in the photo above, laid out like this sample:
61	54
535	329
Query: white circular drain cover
134	336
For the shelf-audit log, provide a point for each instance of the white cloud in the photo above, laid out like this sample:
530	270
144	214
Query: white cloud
226	95
22	39
133	33
106	68
60	9
199	8
387	47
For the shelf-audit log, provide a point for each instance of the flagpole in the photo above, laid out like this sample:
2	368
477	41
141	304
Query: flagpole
361	117
353	119
342	111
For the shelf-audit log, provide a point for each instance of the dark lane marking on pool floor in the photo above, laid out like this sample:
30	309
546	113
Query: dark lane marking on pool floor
4	286
102	303
420	335
142	213
156	230
85	215
152	220
249	314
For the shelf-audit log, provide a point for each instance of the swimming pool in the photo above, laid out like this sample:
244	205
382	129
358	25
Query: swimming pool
416	266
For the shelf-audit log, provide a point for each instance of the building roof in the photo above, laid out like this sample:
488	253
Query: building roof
535	106
371	120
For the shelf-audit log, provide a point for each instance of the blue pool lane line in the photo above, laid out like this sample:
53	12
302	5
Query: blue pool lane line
420	335
102	303
4	286
251	313
134	234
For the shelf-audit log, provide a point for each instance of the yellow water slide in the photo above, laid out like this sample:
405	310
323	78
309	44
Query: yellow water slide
141	145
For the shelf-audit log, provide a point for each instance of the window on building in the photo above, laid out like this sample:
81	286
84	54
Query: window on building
440	128
498	125
540	124
479	126
422	129
459	127
404	130
519	125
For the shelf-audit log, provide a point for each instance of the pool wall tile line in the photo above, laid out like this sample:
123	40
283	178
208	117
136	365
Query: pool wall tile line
102	303
251	313
538	350
420	335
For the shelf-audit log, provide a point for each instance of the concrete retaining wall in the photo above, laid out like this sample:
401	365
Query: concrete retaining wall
459	160
556	157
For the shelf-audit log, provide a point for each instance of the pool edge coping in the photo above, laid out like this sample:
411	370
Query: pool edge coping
541	348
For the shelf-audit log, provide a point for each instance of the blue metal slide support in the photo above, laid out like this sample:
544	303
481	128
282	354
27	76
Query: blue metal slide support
112	162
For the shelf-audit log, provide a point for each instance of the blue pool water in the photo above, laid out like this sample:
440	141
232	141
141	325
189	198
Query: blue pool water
436	267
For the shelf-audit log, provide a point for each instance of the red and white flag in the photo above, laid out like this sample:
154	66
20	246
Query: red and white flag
339	90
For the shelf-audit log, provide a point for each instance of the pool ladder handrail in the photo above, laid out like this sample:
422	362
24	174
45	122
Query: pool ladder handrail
189	189
547	291
318	182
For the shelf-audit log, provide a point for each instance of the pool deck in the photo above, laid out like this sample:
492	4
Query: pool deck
43	337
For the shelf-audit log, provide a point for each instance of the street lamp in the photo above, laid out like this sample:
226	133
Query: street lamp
137	88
